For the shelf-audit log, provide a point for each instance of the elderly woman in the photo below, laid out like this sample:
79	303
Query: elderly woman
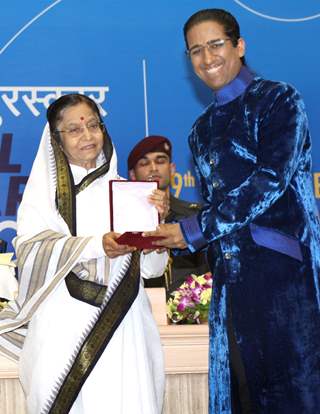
91	345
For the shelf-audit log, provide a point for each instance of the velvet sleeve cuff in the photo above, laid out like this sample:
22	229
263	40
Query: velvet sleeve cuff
192	233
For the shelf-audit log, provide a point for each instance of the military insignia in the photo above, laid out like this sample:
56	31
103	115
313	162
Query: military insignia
166	146
193	205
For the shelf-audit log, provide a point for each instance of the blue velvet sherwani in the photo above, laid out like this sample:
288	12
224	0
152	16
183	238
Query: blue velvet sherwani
252	153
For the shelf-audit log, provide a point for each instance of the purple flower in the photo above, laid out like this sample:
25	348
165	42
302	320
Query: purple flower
188	307
189	280
185	302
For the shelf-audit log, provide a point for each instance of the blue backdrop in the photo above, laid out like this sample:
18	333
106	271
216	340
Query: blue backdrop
130	57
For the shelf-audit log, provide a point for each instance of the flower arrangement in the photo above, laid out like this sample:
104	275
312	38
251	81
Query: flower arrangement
191	301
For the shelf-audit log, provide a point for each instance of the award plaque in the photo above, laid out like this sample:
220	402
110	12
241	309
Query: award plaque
131	213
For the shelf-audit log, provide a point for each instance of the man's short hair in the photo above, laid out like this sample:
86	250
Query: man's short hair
152	143
223	17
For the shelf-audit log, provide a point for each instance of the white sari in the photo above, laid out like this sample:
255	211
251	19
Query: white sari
129	374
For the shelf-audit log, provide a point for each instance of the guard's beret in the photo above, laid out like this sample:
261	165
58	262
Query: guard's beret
152	143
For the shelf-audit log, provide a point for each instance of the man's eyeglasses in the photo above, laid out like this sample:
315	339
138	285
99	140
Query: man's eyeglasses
78	130
212	45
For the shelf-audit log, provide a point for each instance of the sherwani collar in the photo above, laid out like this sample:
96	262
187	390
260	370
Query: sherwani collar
235	88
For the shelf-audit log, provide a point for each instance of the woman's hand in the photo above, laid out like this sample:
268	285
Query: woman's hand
112	248
160	199
173	237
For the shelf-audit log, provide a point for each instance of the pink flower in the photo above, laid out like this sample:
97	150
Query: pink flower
191	301
189	280
185	302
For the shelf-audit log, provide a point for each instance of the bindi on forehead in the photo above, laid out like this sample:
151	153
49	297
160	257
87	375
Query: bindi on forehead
81	118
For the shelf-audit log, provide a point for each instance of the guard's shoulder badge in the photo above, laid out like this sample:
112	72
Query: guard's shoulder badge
166	146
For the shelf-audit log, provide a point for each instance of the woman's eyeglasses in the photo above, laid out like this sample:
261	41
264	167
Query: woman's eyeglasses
78	130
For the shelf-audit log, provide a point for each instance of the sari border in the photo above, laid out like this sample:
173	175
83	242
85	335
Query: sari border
95	340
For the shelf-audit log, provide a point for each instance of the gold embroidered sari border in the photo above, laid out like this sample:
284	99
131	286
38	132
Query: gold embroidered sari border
97	340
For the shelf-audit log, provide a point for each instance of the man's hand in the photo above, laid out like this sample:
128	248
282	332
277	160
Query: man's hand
160	200
173	238
112	248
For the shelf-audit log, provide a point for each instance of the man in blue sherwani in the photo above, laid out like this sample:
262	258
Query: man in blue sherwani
252	153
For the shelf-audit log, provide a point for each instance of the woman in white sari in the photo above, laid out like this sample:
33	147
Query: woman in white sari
91	344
